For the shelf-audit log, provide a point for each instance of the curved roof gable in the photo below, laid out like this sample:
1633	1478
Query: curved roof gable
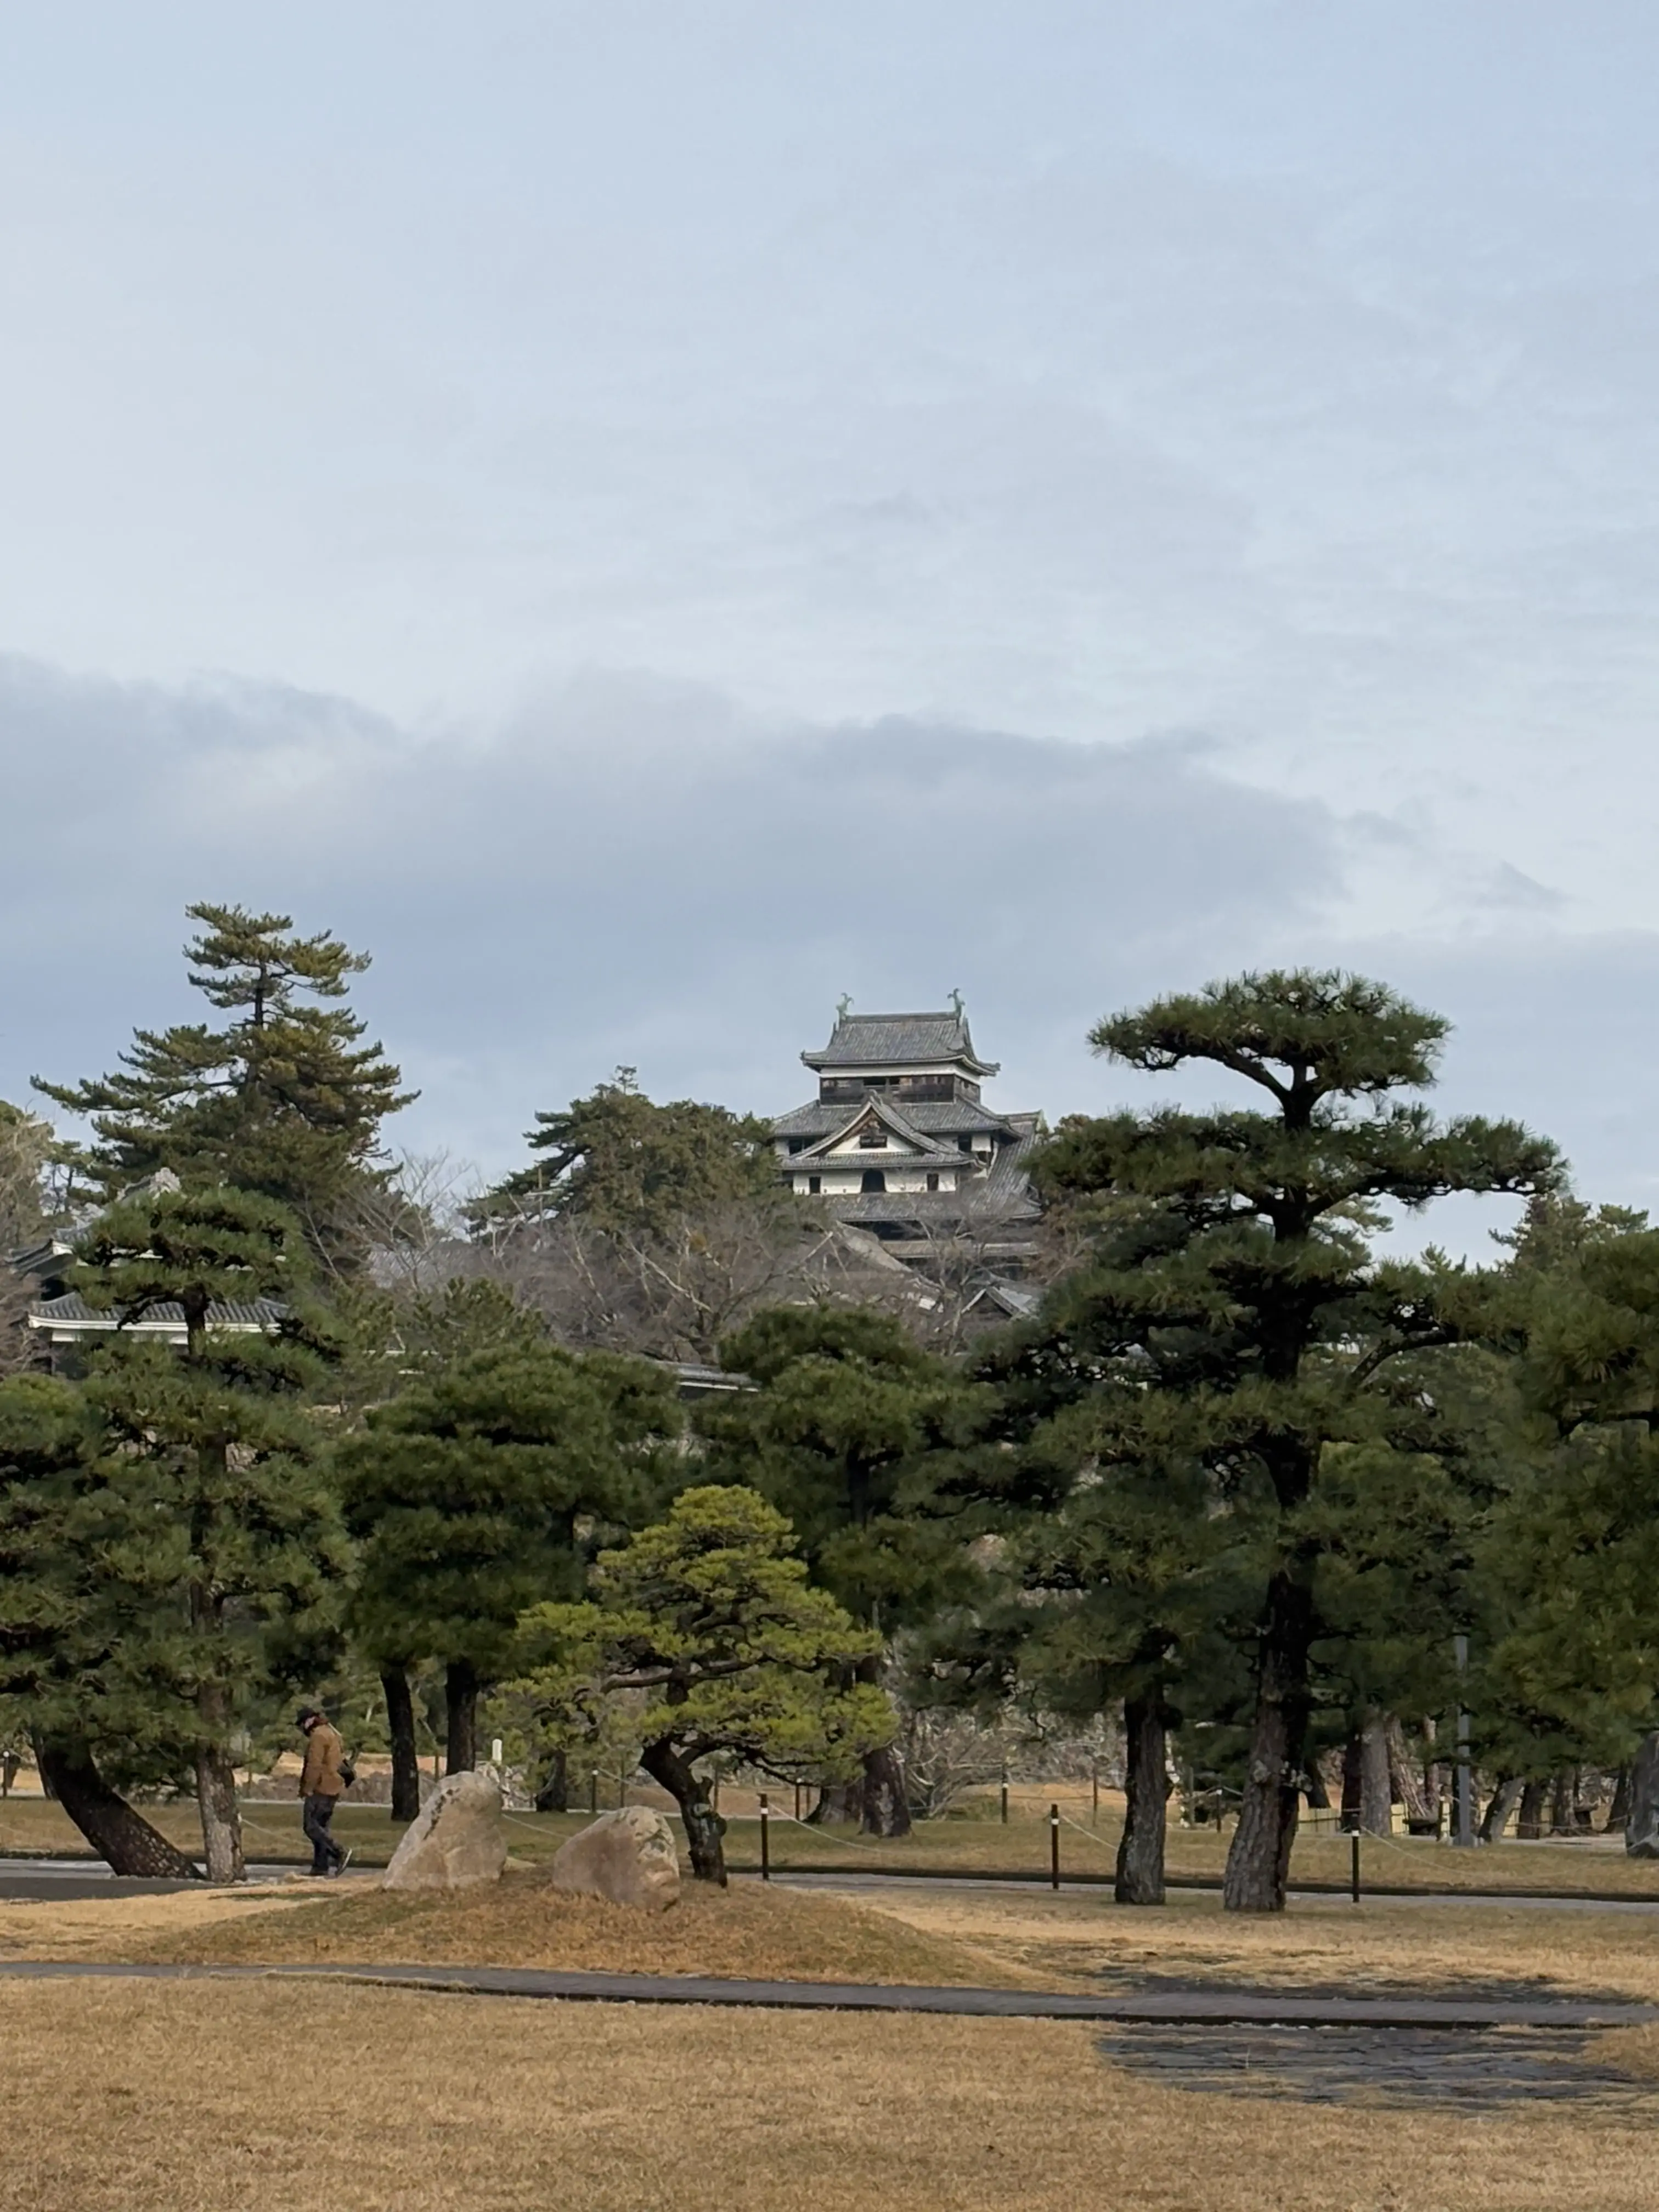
922	1149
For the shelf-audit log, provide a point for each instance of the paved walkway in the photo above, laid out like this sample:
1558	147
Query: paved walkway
71	1880
1188	2008
1524	1899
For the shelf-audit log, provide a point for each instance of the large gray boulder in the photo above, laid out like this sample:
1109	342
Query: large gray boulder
627	1856
457	1841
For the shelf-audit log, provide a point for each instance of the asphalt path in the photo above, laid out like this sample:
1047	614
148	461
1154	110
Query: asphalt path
1188	2007
1531	1899
67	1881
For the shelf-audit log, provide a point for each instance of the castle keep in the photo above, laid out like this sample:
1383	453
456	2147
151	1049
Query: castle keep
899	1138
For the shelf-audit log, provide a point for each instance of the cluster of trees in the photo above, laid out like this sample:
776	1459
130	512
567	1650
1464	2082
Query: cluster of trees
1240	1480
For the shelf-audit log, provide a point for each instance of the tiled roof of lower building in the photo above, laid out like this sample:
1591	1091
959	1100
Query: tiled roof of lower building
71	1311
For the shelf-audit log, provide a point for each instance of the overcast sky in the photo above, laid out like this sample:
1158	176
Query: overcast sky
649	515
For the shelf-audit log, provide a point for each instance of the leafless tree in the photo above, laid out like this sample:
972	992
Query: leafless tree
678	1293
409	1230
980	1263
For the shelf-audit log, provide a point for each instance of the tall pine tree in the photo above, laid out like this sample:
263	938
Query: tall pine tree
213	1525
623	1163
282	1098
1568	1668
75	1638
1261	1324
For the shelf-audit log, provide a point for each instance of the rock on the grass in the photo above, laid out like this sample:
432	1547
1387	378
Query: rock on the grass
628	1857
458	1839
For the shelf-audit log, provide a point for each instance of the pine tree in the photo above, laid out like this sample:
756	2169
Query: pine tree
710	1616
283	1099
212	1523
623	1163
475	1493
73	1638
1569	1560
1261	1322
855	1433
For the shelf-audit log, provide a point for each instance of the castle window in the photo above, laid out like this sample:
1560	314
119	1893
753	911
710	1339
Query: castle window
933	1181
814	1185
872	1139
964	1144
873	1180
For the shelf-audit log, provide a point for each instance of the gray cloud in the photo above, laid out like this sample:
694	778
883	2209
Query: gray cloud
632	871
628	872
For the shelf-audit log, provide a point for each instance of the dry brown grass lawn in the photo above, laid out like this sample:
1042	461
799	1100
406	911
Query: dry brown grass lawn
964	1937
741	1932
113	1928
1634	2050
188	2098
1069	1942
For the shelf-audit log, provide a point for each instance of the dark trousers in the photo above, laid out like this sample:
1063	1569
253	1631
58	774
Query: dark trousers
325	1853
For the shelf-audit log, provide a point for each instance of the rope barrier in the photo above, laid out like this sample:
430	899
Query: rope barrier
1089	1832
824	1835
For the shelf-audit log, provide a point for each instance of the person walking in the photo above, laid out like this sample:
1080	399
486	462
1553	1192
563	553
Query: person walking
321	1782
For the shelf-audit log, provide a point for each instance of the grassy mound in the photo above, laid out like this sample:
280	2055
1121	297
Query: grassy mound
746	1931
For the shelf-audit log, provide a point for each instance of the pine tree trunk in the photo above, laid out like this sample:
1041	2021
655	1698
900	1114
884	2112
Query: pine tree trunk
838	1802
1406	1780
885	1810
1642	1823
119	1835
1562	1791
554	1796
405	1761
1499	1806
1439	1793
1146	1786
1319	1795
1530	1825
1258	1860
1619	1811
1353	1782
704	1827
461	1717
215	1772
1375	1783
215	1789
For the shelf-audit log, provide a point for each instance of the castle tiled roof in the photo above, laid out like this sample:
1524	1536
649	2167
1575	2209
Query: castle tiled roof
933	1117
900	1041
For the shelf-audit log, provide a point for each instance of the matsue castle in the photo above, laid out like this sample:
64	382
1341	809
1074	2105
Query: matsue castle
899	1140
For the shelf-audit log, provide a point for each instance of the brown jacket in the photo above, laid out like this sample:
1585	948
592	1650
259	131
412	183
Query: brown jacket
321	1777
